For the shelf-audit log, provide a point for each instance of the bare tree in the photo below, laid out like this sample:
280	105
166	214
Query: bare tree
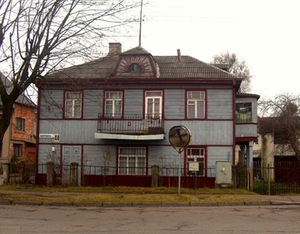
237	67
285	124
38	35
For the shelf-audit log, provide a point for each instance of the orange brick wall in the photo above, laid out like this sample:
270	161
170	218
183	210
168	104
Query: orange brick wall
27	113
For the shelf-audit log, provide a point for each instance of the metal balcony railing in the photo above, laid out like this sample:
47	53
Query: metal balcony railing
130	124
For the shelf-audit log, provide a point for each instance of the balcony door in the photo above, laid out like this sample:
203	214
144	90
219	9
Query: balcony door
153	105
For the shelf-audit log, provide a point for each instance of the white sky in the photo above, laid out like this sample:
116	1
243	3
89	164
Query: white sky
264	33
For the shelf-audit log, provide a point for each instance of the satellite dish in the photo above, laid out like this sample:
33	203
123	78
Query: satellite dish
179	137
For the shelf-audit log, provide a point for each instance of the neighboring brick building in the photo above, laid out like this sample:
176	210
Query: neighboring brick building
20	137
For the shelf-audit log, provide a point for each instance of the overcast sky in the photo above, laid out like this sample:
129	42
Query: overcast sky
264	33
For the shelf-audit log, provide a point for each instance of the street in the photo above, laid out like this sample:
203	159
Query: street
223	219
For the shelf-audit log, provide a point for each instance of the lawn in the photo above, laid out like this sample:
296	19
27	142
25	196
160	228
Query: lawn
120	194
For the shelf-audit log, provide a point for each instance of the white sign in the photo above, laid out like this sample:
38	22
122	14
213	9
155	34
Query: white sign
193	166
50	136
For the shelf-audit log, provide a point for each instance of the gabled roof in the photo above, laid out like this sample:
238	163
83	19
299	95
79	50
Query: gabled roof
22	99
170	67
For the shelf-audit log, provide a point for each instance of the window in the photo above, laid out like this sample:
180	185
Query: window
20	124
243	112
17	150
195	104
196	155
113	104
135	68
153	105
73	104
132	161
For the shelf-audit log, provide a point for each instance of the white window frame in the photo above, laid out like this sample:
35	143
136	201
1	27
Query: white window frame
115	99
196	154
73	104
132	160
153	104
195	100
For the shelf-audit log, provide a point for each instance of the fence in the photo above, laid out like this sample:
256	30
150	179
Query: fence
277	179
125	176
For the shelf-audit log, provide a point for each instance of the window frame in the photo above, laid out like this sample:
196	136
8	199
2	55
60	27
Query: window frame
131	161
238	113
154	113
73	105
201	158
195	102
19	152
113	100
20	124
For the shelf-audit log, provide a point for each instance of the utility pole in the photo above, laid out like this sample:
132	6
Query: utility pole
141	19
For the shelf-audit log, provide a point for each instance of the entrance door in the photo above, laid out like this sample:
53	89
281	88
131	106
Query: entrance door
71	154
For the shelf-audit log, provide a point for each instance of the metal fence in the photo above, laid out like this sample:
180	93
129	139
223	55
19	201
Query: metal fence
272	180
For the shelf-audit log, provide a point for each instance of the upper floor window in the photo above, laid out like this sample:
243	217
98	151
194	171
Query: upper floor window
195	104
153	104
243	112
135	68
73	104
113	104
20	124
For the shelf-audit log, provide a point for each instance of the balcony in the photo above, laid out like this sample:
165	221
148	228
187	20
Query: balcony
130	127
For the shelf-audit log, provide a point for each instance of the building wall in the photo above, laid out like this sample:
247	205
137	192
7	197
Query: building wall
14	136
216	133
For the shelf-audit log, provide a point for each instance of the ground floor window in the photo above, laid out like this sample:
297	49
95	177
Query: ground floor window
17	150
132	161
195	161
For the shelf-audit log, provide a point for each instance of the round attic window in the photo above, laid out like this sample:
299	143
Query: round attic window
135	68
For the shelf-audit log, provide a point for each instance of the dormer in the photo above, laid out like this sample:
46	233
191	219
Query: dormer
136	63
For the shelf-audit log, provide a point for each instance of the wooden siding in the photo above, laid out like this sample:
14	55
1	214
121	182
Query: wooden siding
219	104
246	130
133	102
92	103
70	131
174	104
215	154
51	104
206	132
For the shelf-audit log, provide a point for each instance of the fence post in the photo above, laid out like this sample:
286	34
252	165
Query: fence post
6	172
155	175
50	173
269	180
74	174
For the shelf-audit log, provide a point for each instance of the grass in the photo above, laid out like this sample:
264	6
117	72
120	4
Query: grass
119	194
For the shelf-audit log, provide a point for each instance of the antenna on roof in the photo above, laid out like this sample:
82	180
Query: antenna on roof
141	16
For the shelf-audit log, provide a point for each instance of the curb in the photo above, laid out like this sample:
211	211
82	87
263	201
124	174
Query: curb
148	204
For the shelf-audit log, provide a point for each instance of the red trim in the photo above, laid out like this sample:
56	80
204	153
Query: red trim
186	104
64	104
245	139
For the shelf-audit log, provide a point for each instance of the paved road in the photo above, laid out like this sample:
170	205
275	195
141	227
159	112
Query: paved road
224	219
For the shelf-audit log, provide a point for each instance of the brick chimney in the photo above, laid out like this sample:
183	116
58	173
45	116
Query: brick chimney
115	48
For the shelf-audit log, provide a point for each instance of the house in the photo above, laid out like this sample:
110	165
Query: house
112	117
20	137
274	151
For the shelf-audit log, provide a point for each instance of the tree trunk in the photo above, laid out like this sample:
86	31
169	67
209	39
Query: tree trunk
7	111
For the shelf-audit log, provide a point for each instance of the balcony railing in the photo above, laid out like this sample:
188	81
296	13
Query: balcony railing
131	124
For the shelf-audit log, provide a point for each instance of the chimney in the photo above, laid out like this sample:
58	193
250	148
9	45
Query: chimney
115	48
179	55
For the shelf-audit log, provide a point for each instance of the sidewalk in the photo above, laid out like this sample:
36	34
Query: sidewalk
241	200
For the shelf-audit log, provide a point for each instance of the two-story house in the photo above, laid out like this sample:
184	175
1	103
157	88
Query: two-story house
20	137
112	116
